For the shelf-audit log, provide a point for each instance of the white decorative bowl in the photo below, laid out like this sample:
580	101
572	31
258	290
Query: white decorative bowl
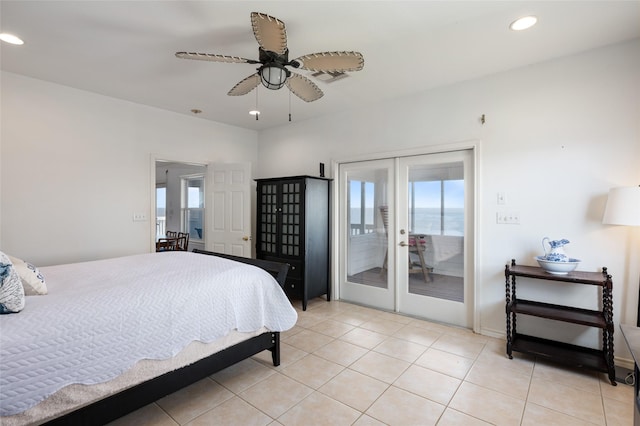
558	268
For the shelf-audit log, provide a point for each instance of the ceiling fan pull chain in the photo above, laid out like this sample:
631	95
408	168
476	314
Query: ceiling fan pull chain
289	105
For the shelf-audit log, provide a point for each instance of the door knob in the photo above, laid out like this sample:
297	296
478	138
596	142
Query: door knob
403	244
245	238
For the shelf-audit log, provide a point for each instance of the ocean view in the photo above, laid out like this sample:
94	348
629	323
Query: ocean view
425	220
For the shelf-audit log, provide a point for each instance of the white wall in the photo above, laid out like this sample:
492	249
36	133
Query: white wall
557	136
77	165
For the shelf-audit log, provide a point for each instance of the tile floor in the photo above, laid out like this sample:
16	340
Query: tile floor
344	364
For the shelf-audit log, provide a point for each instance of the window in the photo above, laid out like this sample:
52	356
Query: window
361	201
193	206
161	209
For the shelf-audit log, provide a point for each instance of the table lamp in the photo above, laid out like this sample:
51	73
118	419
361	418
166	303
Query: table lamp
623	208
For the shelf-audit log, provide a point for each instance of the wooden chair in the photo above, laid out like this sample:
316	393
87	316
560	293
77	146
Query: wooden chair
166	244
417	244
171	234
183	241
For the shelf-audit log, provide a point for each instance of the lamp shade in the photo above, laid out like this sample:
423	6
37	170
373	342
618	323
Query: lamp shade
623	206
273	76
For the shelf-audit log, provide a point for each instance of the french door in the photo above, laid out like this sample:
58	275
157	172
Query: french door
406	227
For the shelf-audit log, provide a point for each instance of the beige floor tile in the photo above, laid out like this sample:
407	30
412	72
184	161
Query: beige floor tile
458	345
421	336
618	413
341	352
234	411
429	384
365	338
242	375
333	328
379	366
456	418
353	318
319	409
312	371
365	420
354	389
149	415
276	395
401	349
399	407
381	326
444	362
499	378
586	380
487	405
309	319
308	340
536	415
621	392
566	399
497	355
192	401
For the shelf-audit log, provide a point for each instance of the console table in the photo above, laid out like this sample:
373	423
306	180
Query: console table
596	359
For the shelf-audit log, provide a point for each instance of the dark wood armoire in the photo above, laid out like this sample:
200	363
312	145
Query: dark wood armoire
293	226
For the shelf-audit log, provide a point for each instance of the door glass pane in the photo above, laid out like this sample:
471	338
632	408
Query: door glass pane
436	230
367	219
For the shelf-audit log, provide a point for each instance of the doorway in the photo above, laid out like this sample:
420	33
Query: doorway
180	200
407	235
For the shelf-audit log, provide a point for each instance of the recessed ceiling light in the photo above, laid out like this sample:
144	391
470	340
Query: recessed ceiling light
10	38
523	23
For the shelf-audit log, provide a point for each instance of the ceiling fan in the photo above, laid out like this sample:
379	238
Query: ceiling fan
273	57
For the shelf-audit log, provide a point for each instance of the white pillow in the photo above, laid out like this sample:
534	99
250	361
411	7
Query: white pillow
11	290
32	280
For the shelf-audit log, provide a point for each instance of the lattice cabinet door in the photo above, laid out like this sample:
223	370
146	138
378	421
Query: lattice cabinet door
291	211
268	231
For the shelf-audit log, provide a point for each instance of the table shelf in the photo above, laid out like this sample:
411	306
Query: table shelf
596	359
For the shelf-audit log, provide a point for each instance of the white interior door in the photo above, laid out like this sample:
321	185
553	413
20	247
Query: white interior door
367	260
229	206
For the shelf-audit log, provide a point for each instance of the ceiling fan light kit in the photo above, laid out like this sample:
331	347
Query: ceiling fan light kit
271	35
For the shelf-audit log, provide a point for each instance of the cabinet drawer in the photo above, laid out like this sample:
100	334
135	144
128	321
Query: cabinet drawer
294	288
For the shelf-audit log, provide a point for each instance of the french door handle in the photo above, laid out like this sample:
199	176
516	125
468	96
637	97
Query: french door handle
403	244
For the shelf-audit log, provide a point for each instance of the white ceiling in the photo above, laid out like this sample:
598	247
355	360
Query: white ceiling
125	49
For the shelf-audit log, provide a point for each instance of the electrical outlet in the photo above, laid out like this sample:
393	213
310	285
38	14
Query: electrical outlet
508	218
139	217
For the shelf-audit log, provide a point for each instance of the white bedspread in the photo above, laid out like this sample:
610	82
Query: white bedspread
101	317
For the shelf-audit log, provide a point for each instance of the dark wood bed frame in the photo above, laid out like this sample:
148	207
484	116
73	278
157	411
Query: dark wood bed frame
129	400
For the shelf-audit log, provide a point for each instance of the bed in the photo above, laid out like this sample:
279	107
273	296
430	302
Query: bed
114	335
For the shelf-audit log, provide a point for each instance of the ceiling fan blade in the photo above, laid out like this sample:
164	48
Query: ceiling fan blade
245	86
303	88
215	58
270	32
332	61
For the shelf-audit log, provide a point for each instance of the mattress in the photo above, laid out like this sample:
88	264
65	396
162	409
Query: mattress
102	317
